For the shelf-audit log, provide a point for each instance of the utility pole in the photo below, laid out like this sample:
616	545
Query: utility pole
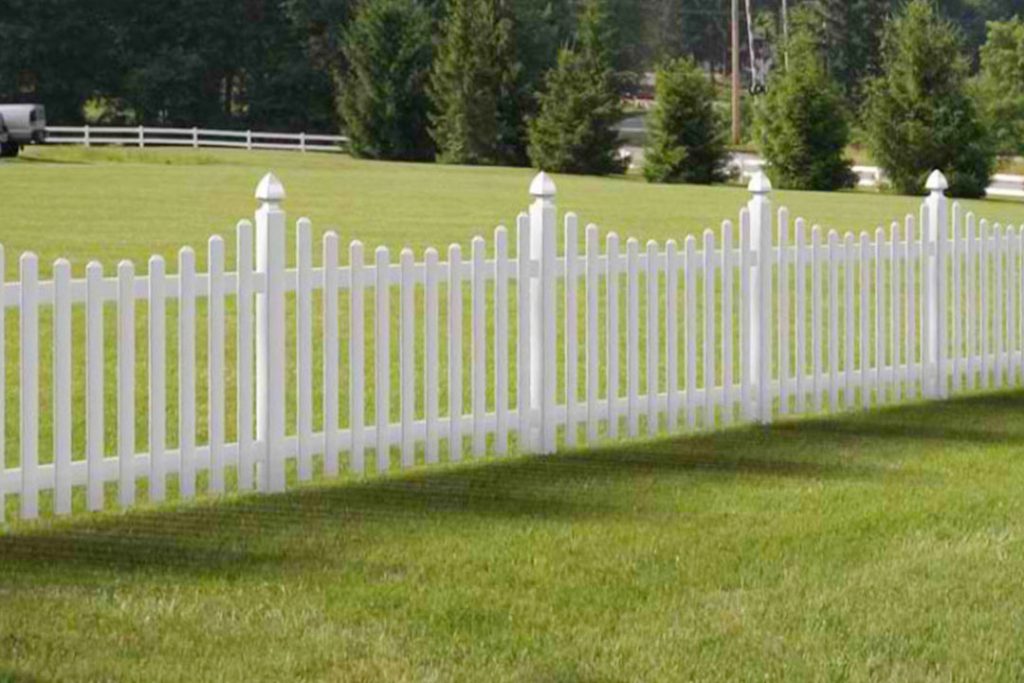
735	29
785	33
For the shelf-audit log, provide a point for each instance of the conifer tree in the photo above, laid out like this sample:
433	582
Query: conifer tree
919	114
383	100
685	136
474	86
802	125
574	130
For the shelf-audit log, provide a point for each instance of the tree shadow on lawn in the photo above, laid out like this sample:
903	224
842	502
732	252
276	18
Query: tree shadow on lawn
225	537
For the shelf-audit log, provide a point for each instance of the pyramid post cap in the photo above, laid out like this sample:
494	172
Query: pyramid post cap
936	182
270	189
542	185
759	183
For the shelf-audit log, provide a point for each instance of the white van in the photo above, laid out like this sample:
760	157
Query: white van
26	125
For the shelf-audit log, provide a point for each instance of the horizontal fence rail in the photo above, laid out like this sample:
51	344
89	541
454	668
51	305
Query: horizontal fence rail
148	136
544	337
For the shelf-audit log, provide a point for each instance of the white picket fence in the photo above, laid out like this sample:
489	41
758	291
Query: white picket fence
584	345
148	136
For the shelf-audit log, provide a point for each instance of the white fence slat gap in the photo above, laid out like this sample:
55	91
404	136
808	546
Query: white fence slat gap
632	337
817	388
612	332
671	335
501	340
956	252
783	302
690	325
800	242
895	287
744	315
593	360
524	393
431	376
728	263
708	316
833	321
653	313
849	257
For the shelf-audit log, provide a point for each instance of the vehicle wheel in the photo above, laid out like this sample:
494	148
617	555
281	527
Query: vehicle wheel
9	149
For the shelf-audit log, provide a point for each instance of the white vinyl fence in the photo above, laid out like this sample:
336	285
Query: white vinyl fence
774	318
147	136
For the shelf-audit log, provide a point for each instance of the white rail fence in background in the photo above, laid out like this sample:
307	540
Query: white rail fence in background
775	318
145	136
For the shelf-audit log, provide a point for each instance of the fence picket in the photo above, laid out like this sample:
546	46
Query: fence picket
833	321
913	351
956	319
593	360
215	362
455	352
728	262
849	255
523	389
431	376
29	388
478	371
501	376
984	252
653	312
356	359
817	384
894	312
244	354
690	324
865	344
878	375
998	251
571	340
157	380
62	417
3	390
671	335
971	298
94	371
708	265
126	384
783	299
800	364
186	373
632	337
407	357
330	352
745	332
382	359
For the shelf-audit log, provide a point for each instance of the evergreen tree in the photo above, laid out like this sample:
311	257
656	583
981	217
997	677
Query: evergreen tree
919	115
474	86
383	99
685	135
852	32
574	131
801	122
1001	84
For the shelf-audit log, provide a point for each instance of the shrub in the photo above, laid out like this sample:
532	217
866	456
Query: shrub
801	122
474	84
685	136
1001	84
574	130
383	99
919	116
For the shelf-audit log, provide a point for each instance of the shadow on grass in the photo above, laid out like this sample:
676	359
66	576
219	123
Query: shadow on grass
242	534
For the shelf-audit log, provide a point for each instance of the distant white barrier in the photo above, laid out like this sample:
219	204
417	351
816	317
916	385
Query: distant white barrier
146	136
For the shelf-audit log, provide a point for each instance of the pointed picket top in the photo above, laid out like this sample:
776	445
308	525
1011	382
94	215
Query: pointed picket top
759	183
270	190
936	182
542	185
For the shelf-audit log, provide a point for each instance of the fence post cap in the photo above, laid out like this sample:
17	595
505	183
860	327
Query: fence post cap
759	183
270	190
542	185
936	182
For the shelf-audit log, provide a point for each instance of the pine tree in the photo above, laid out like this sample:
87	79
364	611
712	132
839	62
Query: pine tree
852	31
919	115
802	126
685	136
474	86
383	99
1001	84
574	131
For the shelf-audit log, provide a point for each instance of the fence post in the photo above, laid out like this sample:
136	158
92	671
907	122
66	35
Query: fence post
195	138
759	315
248	139
88	143
936	385
270	333
142	137
543	219
302	141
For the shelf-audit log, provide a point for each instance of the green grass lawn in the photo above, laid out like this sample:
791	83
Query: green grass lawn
873	546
